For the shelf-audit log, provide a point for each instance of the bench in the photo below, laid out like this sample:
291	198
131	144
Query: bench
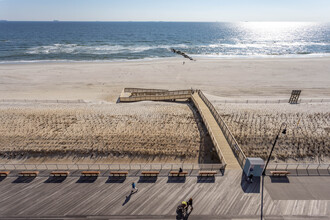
59	173
279	173
4	173
29	173
207	173
177	173
90	173
119	173
150	173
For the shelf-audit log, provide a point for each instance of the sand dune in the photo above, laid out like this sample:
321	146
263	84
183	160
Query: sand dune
255	127
117	132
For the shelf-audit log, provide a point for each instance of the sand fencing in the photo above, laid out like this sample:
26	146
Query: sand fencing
42	101
270	101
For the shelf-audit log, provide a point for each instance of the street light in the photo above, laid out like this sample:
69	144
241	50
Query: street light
264	171
270	155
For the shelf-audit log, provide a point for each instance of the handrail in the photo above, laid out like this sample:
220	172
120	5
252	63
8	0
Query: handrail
131	166
215	143
143	90
176	94
238	152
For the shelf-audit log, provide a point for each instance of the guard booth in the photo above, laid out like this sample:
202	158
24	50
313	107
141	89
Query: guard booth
254	166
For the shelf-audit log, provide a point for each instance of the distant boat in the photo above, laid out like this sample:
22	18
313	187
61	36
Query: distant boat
56	21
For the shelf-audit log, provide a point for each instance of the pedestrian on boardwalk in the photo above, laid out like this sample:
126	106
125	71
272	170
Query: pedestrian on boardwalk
134	188
190	203
250	178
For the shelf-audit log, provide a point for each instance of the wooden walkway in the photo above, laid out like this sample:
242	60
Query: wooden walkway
223	149
214	130
225	196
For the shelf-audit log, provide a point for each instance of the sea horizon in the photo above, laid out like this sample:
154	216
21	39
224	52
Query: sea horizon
103	41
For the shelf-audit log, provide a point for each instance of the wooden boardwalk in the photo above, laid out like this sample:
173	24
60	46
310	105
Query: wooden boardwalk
225	196
222	147
214	130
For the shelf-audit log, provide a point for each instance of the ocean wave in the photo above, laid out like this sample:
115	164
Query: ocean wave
97	49
273	44
260	55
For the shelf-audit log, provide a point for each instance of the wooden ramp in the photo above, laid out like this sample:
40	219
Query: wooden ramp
135	95
225	152
219	140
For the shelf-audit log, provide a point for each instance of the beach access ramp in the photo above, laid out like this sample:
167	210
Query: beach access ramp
226	146
136	94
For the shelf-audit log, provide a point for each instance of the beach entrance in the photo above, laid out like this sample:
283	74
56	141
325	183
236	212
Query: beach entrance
228	150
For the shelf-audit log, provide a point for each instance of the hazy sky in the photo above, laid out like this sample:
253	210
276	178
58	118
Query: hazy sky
165	10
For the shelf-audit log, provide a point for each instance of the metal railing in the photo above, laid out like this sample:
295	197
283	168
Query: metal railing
148	166
301	168
239	154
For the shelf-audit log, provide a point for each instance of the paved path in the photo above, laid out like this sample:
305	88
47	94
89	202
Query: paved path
225	149
228	197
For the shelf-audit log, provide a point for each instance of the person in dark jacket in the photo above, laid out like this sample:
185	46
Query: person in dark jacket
190	203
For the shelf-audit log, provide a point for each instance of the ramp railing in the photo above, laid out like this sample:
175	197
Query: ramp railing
239	154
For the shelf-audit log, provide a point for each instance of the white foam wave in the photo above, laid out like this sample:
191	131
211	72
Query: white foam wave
273	44
97	50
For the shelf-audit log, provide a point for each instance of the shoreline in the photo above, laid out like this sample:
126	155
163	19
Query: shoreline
155	59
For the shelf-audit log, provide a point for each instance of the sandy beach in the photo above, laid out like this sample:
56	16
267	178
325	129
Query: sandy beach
158	132
221	77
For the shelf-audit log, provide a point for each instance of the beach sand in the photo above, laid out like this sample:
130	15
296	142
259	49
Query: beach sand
221	77
27	126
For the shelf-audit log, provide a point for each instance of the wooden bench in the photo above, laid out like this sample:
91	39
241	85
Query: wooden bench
150	173
119	173
90	173
177	173
207	173
29	173
60	173
4	173
279	173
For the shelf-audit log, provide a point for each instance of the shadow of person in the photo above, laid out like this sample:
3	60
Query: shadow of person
187	215
250	187
128	198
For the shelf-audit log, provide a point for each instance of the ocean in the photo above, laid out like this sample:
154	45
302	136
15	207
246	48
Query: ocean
111	41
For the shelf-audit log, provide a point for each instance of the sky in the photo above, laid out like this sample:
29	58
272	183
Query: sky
165	10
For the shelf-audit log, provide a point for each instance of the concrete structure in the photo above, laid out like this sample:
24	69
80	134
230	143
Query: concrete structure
254	166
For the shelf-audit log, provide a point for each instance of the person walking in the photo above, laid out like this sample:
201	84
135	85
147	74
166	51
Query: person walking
190	203
134	188
250	178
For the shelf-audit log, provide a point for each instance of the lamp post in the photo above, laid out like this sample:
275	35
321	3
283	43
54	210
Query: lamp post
270	154
264	171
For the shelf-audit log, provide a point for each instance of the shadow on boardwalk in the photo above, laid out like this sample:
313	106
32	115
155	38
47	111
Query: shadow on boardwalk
116	179
87	179
24	179
249	187
147	179
176	179
55	179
